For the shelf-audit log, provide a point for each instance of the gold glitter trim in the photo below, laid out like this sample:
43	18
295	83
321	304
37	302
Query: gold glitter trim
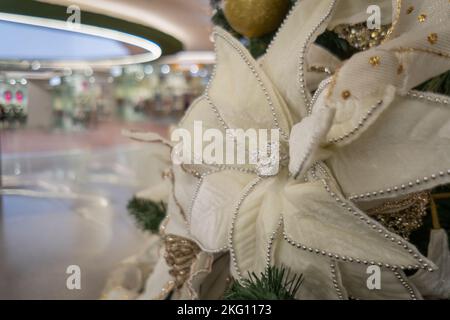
359	36
180	255
402	216
394	22
432	38
374	61
320	69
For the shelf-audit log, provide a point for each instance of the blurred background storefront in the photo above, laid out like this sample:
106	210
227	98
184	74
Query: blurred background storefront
73	75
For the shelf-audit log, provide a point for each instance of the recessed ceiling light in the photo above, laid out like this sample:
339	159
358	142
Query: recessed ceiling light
153	51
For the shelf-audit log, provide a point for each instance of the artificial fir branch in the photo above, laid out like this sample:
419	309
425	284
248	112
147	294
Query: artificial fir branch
275	284
147	214
336	45
439	84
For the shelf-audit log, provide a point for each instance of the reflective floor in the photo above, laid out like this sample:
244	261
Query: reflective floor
67	206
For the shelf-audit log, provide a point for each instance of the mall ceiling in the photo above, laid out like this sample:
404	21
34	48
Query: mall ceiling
120	32
185	20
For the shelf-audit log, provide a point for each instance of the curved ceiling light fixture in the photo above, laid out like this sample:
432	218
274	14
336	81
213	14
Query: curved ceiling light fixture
153	50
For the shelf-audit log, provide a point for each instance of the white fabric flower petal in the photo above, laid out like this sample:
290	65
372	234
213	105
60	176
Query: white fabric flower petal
321	219
355	278
306	139
285	62
436	285
212	207
238	81
406	150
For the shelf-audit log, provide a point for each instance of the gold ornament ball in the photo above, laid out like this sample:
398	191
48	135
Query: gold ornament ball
254	18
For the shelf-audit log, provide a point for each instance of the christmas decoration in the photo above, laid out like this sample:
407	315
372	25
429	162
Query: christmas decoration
254	18
275	284
351	151
180	254
402	216
360	37
148	214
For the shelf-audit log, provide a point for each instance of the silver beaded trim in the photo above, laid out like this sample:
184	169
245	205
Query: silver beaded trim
405	187
247	191
270	244
374	225
204	175
405	285
258	79
359	126
197	190
319	90
189	110
335	281
301	64
325	83
435	98
282	26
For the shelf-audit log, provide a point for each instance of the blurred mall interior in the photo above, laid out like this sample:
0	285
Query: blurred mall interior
73	75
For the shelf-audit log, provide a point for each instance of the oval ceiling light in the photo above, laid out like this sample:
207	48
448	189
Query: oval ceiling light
151	49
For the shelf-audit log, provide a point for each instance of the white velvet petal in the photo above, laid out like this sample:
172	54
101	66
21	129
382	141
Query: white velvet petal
436	285
241	92
213	207
313	217
352	118
282	60
200	110
176	223
316	272
258	217
210	276
354	278
436	12
410	141
202	115
401	61
306	139
160	279
184	186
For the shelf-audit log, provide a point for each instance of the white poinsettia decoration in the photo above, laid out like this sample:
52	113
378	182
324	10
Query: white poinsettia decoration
363	136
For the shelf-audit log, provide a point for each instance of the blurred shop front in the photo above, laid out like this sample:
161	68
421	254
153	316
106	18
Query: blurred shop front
68	89
80	99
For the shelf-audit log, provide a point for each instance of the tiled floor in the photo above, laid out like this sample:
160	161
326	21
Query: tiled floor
64	203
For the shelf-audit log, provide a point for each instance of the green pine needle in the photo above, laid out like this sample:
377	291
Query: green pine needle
336	45
439	84
148	214
275	284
